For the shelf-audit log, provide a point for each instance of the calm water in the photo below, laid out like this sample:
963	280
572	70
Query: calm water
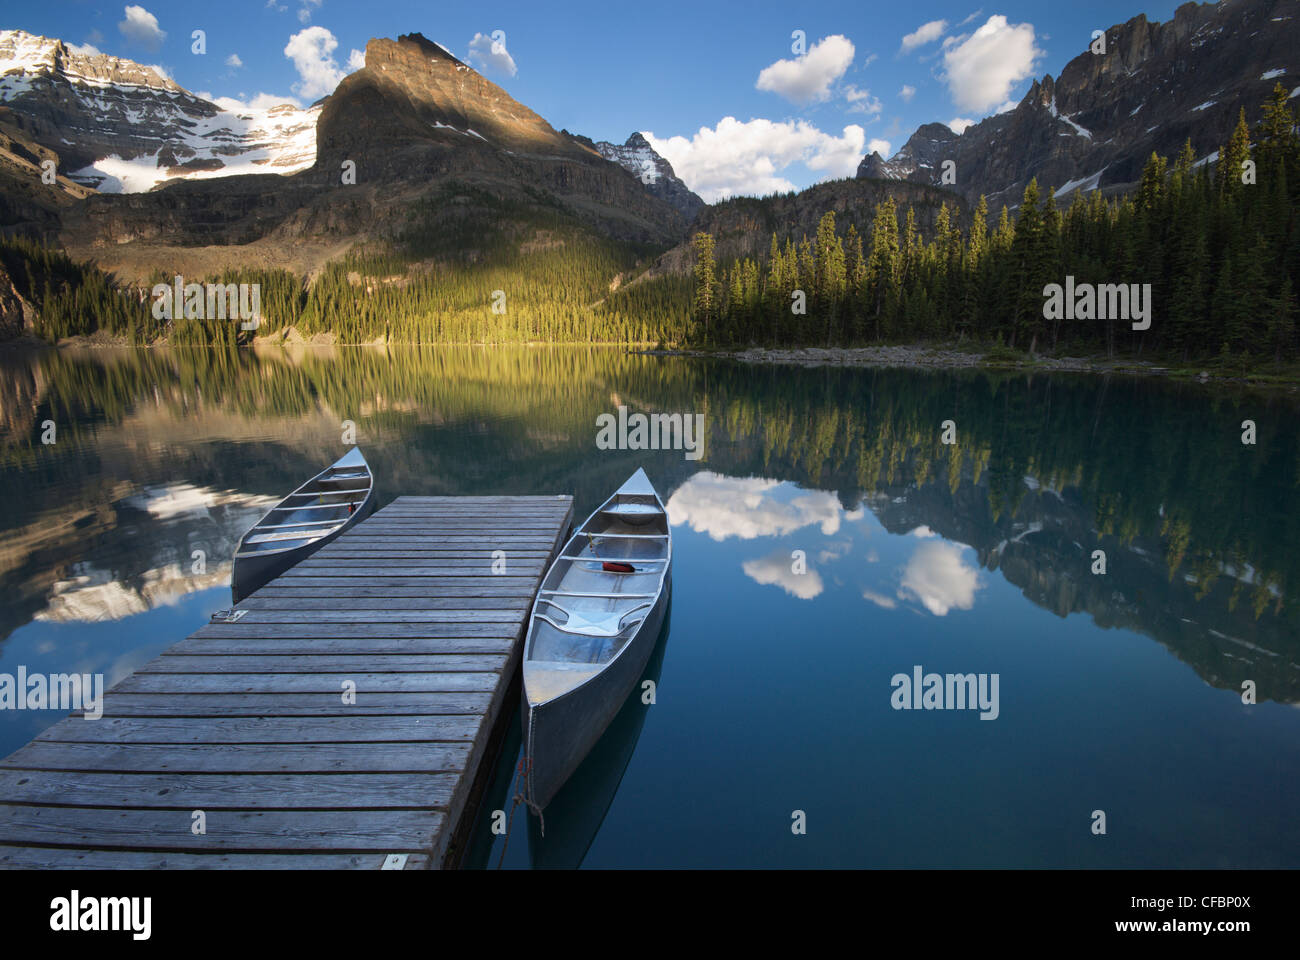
825	542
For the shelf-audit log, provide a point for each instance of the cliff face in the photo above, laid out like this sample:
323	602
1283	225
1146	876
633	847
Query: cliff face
413	121
1094	126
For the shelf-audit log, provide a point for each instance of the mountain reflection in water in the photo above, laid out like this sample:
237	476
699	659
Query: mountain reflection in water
826	540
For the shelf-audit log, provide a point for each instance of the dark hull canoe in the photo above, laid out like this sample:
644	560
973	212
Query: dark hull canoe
319	512
253	573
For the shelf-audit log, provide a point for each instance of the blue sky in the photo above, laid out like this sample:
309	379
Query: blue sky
706	79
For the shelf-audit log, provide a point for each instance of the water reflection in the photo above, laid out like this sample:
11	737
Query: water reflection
826	515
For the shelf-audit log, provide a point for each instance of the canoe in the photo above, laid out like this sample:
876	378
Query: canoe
328	504
594	624
575	814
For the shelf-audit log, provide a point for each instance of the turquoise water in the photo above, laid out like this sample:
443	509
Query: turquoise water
826	542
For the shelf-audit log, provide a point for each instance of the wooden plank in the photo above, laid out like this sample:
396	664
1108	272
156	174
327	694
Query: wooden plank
63	858
325	663
330	729
477	566
215	791
241	758
291	704
340	600
366	683
432	554
381	831
359	646
323	631
455	588
441	567
383	616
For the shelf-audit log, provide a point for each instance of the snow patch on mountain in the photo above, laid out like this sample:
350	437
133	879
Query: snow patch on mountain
137	127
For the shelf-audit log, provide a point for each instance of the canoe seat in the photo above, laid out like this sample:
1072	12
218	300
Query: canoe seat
592	623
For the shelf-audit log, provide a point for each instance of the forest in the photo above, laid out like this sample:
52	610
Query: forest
1218	243
1219	250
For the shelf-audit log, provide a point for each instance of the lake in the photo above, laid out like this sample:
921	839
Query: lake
830	550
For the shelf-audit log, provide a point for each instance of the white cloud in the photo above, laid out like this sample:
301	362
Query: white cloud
311	51
981	69
159	69
925	33
141	26
869	60
304	12
488	54
861	101
234	61
85	49
889	603
939	579
907	93
958	125
882	147
734	158
258	103
778	568
356	60
748	507
808	78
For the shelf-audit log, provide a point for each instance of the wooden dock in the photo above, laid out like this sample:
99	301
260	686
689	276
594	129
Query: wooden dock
246	722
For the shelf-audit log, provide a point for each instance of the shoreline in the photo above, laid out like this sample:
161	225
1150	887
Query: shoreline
904	356
923	357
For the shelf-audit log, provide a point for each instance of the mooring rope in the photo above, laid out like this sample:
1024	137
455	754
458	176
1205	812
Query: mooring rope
518	796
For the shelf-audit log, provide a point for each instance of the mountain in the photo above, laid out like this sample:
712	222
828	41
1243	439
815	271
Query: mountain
434	149
122	127
1095	125
640	159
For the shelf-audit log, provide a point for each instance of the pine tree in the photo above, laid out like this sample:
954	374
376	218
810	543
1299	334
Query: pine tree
1233	158
883	265
704	280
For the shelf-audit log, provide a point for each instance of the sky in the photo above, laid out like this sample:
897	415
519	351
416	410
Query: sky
741	98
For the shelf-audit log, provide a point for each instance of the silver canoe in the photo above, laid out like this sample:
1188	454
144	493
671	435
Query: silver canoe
303	522
594	624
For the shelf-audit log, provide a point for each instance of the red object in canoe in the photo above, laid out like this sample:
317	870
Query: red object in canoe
610	566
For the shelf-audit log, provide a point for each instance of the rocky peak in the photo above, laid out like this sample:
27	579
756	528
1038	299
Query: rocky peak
24	56
656	174
1096	123
119	126
424	90
921	155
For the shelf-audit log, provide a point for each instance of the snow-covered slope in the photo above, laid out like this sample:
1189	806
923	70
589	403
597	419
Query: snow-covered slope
121	126
640	159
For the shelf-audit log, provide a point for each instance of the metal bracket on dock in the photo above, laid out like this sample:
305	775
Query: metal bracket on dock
395	861
228	616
